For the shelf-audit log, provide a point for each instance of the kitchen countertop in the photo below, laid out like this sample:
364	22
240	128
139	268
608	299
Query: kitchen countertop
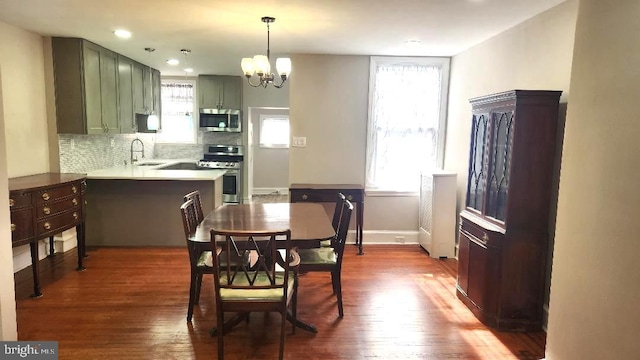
140	171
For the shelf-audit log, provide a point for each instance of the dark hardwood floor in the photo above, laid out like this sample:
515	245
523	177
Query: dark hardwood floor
131	303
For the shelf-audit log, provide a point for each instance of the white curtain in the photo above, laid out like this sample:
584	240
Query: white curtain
404	119
177	112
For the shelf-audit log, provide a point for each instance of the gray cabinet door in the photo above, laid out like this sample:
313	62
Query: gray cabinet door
125	95
157	93
138	88
109	90
232	92
92	89
147	85
209	87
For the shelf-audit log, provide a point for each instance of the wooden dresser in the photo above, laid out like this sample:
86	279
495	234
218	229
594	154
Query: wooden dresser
43	205
329	193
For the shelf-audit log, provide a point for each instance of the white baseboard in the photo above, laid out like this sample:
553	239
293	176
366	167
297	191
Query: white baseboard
269	191
61	243
384	237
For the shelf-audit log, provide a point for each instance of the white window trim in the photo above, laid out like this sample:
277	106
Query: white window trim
443	62
194	117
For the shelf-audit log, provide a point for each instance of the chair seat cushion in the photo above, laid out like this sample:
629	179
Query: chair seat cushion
324	255
205	259
254	294
325	243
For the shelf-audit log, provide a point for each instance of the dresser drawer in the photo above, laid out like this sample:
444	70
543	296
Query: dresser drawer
58	223
480	235
19	200
309	196
21	225
52	208
54	193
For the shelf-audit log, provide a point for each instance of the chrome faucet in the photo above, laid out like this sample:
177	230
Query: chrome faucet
141	151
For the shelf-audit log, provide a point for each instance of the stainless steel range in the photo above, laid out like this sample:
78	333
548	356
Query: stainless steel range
230	158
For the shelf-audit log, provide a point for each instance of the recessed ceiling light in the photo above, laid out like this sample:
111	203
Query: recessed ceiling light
412	42
123	34
173	62
188	70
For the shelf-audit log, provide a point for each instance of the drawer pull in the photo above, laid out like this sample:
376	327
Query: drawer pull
46	225
349	197
75	216
13	227
11	202
45	196
74	201
304	197
485	238
74	189
46	210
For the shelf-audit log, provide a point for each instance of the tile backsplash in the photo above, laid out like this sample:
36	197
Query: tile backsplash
83	153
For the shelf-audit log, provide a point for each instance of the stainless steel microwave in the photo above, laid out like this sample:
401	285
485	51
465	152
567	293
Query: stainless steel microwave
220	120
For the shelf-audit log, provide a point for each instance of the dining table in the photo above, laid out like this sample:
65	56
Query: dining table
309	224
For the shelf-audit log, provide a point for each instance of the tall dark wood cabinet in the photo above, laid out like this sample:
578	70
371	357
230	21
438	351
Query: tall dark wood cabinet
504	228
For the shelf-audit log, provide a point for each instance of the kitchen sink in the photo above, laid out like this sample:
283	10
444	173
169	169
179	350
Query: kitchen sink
181	166
149	164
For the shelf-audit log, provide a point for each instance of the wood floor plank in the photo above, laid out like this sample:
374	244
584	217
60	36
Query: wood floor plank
131	303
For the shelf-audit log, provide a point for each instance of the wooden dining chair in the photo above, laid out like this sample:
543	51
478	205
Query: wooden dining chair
195	196
258	279
200	259
336	217
329	259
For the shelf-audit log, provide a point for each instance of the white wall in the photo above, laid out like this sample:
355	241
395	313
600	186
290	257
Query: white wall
329	106
26	129
595	288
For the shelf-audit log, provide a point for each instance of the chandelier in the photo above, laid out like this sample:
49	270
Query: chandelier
260	65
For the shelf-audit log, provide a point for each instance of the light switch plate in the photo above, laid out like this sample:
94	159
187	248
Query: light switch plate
299	141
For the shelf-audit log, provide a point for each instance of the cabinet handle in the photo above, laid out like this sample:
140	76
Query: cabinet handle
46	210
45	196
75	216
74	189
47	226
13	227
74	201
11	202
485	238
304	197
349	197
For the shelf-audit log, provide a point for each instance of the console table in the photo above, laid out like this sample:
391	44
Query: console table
43	205
329	193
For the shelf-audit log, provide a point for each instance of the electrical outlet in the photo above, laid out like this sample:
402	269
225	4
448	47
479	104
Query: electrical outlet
399	239
113	142
299	141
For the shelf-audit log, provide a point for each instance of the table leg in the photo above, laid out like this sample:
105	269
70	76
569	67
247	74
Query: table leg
81	251
229	324
301	324
359	221
35	268
52	249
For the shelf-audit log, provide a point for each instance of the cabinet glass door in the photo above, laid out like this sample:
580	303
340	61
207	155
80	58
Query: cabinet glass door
501	149
477	161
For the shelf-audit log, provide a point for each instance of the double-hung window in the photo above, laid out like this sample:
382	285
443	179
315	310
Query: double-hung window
178	112
407	112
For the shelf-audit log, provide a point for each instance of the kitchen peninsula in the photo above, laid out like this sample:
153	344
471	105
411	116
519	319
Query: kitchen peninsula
139	205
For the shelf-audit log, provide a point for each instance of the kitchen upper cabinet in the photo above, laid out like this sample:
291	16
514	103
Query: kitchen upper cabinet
504	228
86	78
99	91
125	94
220	92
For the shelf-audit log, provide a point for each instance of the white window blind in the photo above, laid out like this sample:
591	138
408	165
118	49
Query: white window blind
178	112
407	102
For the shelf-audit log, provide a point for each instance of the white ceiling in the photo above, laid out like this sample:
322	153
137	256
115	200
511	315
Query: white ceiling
219	33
